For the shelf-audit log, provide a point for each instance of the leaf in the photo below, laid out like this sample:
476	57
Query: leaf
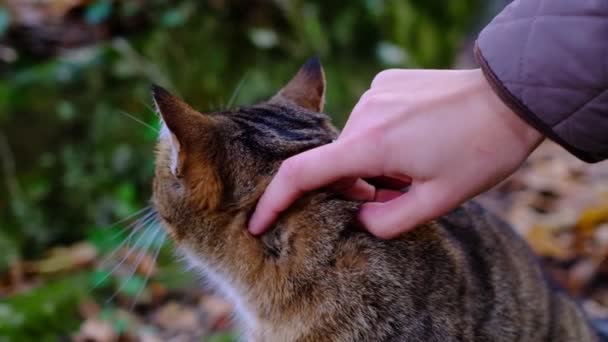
126	192
217	309
121	320
590	219
178	15
67	258
9	251
132	286
263	38
100	279
96	330
130	8
45	312
223	337
107	239
5	21
174	316
391	54
98	12
173	18
581	275
545	242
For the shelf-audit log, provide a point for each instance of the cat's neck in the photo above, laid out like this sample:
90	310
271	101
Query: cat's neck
264	275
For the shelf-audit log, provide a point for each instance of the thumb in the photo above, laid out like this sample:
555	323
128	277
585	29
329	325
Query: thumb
419	205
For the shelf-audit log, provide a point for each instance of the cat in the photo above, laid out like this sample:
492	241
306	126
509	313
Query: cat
315	275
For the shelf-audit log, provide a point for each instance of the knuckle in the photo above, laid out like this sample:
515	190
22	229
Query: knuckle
368	101
382	77
376	132
377	136
432	203
290	169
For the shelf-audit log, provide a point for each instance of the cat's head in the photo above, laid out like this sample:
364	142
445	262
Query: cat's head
213	166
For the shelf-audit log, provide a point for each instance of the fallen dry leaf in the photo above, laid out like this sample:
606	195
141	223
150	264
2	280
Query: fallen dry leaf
94	330
581	275
144	263
37	13
547	243
65	258
16	276
158	291
88	308
174	316
149	336
218	311
590	219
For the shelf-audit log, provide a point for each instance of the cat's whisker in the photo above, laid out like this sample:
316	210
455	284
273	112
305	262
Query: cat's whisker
135	226
145	225
150	108
127	255
237	90
145	212
139	121
135	214
149	271
138	259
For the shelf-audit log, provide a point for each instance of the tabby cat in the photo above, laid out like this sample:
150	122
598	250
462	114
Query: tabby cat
316	276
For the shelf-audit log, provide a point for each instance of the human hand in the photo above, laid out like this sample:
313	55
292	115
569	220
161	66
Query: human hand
444	131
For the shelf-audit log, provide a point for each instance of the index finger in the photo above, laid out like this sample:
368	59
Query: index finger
312	170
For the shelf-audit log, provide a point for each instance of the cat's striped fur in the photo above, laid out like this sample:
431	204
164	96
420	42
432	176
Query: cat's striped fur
315	276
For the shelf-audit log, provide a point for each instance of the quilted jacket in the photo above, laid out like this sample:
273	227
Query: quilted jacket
548	60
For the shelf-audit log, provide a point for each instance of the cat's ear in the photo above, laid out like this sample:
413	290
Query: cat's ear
307	88
183	121
178	119
187	131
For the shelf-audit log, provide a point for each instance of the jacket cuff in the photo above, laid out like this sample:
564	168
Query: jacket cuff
523	111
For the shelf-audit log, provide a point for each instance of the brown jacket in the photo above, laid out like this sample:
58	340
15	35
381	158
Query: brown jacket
548	60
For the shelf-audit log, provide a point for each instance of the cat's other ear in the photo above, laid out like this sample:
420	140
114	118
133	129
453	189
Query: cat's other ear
177	118
307	88
183	121
186	131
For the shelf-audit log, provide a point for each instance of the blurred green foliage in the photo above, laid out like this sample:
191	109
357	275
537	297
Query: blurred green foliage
74	159
77	130
43	314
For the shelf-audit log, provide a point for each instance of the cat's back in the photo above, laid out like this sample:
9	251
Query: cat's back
465	277
502	266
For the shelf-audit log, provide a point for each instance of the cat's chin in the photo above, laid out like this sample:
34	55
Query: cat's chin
244	314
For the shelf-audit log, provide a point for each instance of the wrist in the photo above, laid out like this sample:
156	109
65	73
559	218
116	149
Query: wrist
527	135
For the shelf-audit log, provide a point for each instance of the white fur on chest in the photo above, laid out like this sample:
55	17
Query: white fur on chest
252	328
244	314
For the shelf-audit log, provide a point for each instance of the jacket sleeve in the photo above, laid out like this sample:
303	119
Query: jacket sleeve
548	61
